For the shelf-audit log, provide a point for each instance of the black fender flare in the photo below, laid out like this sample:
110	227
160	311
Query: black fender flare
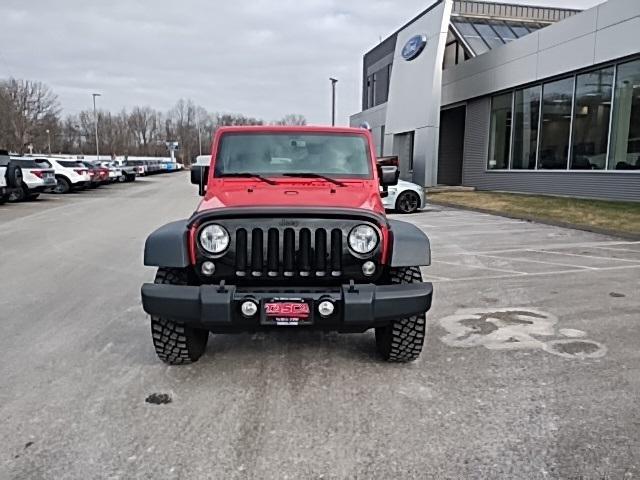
411	246
168	246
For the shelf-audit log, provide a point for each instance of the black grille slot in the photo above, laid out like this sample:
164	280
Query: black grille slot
289	252
273	252
305	252
241	252
256	253
321	252
336	252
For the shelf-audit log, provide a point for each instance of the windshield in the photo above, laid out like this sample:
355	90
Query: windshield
276	154
25	163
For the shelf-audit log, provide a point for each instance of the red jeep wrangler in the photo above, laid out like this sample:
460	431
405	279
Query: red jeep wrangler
291	233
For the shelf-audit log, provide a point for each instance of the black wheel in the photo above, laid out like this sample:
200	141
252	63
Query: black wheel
175	343
62	186
19	194
408	202
33	196
3	199
402	340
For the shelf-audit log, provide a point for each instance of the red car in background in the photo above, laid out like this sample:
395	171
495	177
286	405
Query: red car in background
100	174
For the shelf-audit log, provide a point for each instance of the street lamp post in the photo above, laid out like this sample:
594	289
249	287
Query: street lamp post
333	101
77	127
48	140
95	120
199	136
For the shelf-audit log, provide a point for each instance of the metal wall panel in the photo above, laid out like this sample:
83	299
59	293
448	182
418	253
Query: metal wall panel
601	185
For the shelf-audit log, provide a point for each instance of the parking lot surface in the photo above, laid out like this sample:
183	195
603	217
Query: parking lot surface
531	368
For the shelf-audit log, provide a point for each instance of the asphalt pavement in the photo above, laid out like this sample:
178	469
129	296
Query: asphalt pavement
531	369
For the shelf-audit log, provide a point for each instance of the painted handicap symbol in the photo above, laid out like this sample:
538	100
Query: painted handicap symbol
517	329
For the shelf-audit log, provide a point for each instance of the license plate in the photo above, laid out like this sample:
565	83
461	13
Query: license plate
287	311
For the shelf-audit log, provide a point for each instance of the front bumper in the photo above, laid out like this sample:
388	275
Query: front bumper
358	307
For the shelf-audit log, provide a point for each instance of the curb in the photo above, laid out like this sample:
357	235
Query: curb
553	223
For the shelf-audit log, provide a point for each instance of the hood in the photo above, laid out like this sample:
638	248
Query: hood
294	193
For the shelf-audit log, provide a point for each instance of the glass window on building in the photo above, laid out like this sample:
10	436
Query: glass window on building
525	128
556	123
500	132
591	116
518	28
488	34
503	30
471	36
625	125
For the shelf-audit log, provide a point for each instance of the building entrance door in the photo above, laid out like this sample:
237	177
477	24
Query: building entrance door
451	146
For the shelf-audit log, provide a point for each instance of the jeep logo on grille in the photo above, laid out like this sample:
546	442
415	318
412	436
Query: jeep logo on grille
288	223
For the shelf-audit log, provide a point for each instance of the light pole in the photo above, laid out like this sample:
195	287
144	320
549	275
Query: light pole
199	136
48	140
77	127
95	120
333	101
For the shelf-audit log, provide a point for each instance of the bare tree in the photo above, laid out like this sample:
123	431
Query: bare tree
30	114
30	108
143	124
292	119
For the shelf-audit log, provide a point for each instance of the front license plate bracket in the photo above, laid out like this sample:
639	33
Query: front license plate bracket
286	311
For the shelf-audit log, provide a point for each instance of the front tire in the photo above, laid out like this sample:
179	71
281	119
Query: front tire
402	340
175	343
408	202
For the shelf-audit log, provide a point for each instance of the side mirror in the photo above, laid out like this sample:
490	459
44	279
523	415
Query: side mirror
199	175
389	175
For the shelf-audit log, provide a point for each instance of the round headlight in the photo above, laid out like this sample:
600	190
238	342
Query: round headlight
363	239
214	239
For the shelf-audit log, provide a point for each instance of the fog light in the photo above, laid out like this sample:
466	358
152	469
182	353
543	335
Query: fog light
368	268
326	308
208	268
249	308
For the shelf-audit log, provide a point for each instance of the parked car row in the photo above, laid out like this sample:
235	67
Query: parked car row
27	177
151	166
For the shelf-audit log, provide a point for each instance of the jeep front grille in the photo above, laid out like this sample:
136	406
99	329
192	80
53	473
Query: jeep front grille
288	252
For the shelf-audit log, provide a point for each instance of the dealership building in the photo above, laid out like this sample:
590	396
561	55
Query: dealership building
511	98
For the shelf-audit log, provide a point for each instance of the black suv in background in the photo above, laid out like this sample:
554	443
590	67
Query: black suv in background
10	176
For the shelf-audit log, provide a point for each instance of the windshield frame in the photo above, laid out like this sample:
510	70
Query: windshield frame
217	175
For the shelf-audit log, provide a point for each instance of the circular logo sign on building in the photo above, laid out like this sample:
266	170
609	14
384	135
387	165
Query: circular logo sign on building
414	47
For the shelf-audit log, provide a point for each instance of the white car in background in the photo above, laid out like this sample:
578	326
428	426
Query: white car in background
405	197
70	174
36	179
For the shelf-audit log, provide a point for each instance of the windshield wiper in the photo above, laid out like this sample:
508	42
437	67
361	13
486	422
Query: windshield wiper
247	175
315	175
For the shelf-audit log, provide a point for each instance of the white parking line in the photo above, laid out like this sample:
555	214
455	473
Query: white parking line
558	247
617	249
557	264
499	277
481	267
587	256
465	225
537	274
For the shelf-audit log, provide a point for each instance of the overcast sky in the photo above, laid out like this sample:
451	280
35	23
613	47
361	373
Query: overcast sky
263	58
